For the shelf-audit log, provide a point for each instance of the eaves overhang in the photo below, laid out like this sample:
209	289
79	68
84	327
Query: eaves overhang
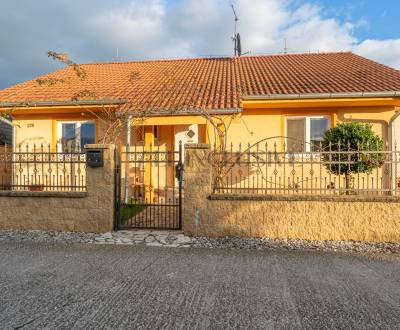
22	104
317	100
390	94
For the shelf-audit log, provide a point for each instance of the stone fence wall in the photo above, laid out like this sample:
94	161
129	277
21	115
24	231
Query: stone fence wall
374	219
90	211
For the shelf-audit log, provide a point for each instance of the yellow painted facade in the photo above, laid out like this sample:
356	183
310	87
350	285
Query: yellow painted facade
39	132
257	120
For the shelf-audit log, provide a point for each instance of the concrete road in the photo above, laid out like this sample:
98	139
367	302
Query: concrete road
125	287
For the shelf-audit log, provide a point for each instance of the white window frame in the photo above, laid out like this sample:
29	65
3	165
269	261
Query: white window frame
78	124
308	127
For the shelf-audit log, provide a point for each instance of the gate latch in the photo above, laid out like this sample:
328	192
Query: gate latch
179	172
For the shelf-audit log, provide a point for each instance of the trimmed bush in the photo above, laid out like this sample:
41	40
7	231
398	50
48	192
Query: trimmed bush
353	147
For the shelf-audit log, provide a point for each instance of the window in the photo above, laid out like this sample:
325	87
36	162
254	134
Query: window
6	134
318	127
305	133
296	134
73	136
87	133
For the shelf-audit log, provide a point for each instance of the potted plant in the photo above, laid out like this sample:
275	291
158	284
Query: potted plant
36	187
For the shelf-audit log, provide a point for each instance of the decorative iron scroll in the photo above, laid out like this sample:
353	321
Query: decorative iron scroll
269	168
41	169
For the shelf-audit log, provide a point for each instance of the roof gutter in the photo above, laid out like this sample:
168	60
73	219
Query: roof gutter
195	112
211	111
60	103
321	95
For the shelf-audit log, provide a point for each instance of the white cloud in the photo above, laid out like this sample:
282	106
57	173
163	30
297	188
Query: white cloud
316	34
384	51
130	28
92	30
261	23
196	28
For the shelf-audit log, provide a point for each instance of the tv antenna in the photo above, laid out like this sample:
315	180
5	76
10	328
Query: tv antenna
117	58
237	50
285	49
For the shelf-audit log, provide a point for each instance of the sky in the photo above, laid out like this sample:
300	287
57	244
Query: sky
123	30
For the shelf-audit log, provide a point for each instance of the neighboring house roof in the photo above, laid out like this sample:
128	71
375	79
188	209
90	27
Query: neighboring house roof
214	83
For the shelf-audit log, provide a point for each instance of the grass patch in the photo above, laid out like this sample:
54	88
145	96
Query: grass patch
130	210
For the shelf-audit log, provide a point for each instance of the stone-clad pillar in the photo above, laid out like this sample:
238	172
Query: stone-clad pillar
100	183
198	176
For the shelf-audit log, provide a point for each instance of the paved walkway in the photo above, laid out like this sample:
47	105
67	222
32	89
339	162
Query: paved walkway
87	286
167	238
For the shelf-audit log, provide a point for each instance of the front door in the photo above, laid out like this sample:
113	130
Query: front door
186	134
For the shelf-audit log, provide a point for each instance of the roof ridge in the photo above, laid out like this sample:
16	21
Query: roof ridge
212	57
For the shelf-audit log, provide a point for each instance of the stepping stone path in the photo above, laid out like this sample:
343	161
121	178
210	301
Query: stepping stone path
166	238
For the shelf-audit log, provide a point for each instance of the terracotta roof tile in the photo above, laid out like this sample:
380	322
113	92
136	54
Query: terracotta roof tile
211	82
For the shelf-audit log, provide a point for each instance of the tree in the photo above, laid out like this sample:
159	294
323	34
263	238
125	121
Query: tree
144	101
169	95
352	148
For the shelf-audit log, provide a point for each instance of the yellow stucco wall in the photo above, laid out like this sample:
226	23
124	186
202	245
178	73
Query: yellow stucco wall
253	125
40	131
250	126
31	131
258	120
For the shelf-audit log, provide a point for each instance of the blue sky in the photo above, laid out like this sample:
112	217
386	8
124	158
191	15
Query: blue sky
380	19
98	30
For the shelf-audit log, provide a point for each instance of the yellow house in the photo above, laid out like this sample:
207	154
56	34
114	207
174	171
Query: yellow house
265	102
157	105
297	95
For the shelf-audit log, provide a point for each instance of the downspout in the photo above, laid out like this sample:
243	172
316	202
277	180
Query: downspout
391	131
128	148
393	148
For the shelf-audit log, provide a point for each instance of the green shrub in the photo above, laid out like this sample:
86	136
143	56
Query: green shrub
352	145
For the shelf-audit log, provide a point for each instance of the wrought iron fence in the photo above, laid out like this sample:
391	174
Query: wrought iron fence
39	168
269	168
150	194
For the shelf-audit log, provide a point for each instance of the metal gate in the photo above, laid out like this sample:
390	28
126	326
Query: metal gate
149	188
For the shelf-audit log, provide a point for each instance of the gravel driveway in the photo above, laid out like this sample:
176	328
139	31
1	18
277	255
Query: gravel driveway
73	286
